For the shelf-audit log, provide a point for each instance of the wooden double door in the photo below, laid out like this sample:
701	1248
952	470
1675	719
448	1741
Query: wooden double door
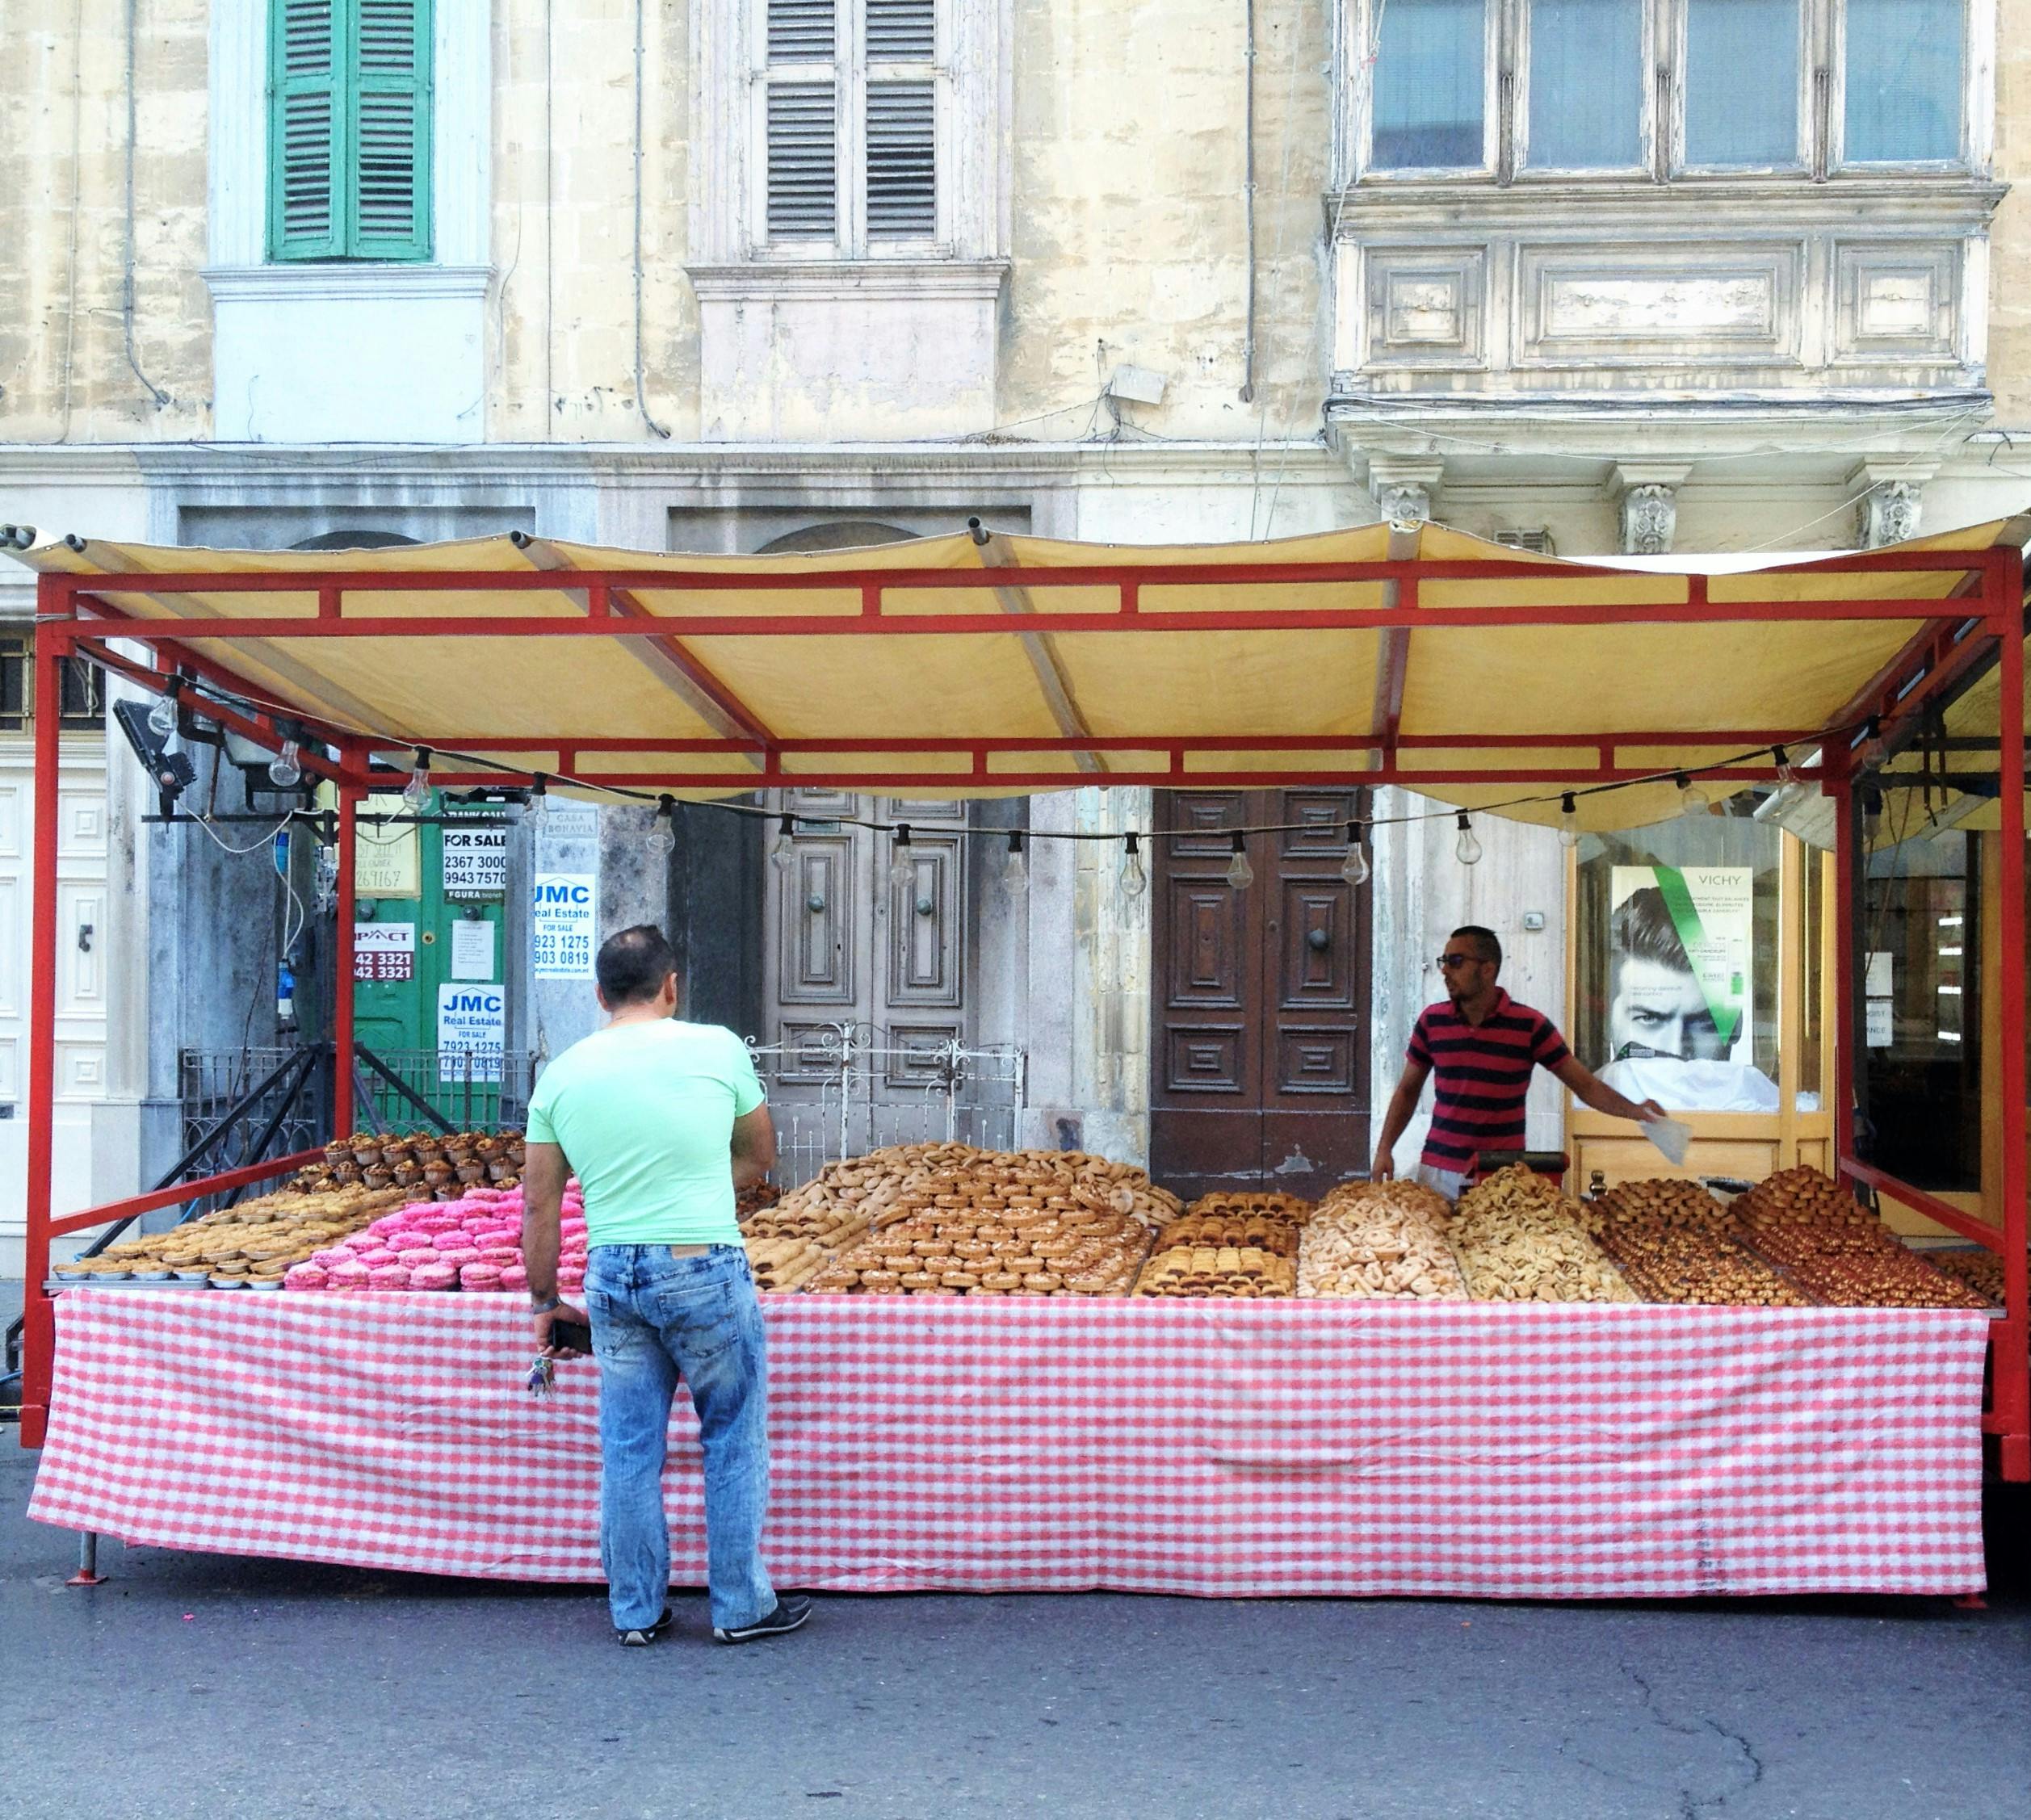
1259	1049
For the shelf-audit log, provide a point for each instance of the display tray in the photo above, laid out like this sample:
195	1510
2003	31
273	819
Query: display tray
1206	1447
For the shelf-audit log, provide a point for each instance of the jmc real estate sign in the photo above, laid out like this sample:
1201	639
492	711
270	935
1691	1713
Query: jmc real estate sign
471	1029
561	919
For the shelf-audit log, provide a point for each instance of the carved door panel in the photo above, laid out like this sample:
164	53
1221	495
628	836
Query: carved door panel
1259	1058
851	942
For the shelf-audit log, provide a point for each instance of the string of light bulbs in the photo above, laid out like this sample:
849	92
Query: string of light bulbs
1132	875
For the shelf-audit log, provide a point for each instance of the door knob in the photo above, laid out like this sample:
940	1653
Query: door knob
84	938
926	907
1318	941
814	904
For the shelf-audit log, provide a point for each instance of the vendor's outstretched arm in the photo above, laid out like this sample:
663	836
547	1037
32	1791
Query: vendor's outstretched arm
1590	1090
1402	1105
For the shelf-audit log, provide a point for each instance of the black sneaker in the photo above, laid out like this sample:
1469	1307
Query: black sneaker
646	1634
791	1614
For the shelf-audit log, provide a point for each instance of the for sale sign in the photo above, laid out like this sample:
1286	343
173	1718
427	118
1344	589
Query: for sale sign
471	1031
561	918
475	862
384	952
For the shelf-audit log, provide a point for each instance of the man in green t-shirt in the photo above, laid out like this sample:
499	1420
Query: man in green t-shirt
662	1122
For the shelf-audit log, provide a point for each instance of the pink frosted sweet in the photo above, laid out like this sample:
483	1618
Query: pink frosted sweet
435	1219
433	1276
499	1254
407	1243
351	1276
304	1277
514	1277
325	1260
458	1257
375	1258
388	1277
480	1276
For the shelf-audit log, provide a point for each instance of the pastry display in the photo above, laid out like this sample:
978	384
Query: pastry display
1223	1270
785	1264
1975	1265
948	1220
1379	1239
1838	1251
1519	1240
473	1243
1675	1242
256	1241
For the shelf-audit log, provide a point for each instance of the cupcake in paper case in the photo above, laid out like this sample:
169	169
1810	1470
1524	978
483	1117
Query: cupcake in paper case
349	1276
304	1277
480	1276
433	1276
388	1277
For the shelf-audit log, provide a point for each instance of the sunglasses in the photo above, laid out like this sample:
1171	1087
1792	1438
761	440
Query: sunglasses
1451	961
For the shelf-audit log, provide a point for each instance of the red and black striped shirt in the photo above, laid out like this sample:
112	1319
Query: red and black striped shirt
1480	1073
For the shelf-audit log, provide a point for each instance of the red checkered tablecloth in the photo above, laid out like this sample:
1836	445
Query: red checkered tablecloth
1205	1447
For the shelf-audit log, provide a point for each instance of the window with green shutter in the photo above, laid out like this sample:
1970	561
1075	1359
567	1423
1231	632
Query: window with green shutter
349	129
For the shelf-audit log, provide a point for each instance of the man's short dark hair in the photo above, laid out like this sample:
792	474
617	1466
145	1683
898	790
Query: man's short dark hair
1641	930
1485	946
633	965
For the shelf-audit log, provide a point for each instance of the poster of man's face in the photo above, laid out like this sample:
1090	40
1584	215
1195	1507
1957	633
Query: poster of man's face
1656	1005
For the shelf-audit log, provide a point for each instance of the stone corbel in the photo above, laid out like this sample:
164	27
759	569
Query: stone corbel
1892	504
1648	496
1404	490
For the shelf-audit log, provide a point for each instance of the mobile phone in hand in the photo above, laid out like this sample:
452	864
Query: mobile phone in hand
572	1336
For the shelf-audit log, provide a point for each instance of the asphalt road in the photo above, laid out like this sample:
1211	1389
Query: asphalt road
216	1688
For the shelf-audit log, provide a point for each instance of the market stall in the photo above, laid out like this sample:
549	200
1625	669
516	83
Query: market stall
978	665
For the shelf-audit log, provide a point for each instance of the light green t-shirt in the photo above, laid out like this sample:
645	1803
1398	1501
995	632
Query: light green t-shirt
644	1113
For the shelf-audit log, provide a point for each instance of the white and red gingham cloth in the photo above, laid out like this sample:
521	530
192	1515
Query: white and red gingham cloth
1214	1448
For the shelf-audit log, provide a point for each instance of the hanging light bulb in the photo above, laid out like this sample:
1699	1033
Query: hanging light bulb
783	854
161	718
415	793
662	831
537	813
1467	850
1015	869
284	773
902	865
1787	773
1354	869
1134	881
1692	800
1240	873
1873	751
1568	821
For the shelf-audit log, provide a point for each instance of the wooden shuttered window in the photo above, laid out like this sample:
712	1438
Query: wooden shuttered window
850	122
349	132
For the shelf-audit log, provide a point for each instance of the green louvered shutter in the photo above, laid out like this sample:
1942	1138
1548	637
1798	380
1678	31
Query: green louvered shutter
306	96
349	163
389	190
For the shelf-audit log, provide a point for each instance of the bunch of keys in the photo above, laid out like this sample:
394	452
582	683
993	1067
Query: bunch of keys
541	1374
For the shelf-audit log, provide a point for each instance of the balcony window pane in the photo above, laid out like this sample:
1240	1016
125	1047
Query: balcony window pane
1431	85
1587	84
1903	80
1742	82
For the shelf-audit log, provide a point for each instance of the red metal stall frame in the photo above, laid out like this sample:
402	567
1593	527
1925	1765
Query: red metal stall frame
1982	619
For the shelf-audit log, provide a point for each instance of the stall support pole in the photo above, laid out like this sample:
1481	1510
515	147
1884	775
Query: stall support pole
2012	1354
1840	784
88	1573
342	985
38	1314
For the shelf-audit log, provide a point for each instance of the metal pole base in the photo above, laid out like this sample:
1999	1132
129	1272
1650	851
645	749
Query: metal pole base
88	1573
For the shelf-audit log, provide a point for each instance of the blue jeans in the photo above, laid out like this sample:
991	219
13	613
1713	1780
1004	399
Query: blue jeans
654	1317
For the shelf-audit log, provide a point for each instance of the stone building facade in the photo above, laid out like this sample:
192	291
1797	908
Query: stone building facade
1638	275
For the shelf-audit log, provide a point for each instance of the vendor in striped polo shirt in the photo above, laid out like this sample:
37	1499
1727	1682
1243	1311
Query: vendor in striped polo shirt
1482	1045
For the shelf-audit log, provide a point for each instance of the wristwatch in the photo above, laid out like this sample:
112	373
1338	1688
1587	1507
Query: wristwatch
536	1308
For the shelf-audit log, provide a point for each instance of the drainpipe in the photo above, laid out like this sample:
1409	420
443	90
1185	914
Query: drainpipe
1248	202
